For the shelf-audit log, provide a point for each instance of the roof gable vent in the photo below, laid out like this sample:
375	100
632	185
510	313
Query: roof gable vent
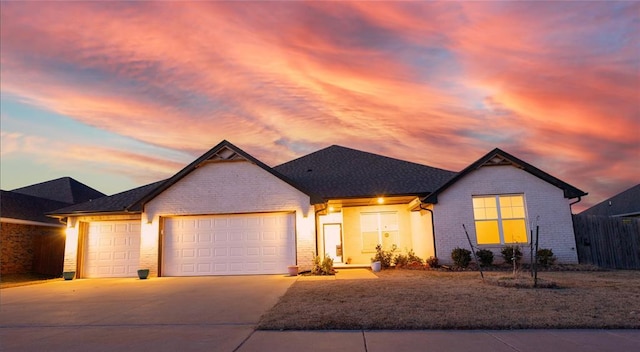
226	154
499	160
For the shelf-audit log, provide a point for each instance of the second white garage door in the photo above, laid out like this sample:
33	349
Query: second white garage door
112	249
229	245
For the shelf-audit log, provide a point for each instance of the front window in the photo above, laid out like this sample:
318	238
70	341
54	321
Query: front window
500	219
379	228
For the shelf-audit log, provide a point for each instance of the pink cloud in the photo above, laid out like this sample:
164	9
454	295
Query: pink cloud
436	83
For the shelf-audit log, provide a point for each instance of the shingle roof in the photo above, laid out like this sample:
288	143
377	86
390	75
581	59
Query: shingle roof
64	189
115	203
569	190
625	203
339	172
25	207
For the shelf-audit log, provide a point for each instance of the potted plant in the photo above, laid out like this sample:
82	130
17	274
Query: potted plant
376	266
293	270
143	274
68	275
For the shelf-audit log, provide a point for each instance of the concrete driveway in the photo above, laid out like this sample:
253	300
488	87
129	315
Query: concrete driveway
159	314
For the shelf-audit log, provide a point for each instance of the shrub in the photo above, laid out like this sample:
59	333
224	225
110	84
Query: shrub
432	262
401	260
410	259
413	258
384	257
545	257
461	257
323	266
509	253
485	257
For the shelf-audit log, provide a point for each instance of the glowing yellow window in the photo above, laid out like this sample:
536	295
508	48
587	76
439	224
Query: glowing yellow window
500	219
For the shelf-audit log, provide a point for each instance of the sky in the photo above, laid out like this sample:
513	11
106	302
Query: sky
121	94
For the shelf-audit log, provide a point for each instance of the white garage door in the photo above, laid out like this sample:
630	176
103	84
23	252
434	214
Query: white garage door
112	249
229	244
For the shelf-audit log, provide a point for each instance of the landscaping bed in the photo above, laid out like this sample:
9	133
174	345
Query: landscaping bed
418	299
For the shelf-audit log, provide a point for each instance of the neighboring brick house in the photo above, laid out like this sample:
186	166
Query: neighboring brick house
30	241
227	213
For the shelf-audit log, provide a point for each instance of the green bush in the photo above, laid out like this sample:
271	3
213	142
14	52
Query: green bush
509	253
545	257
401	260
485	257
384	257
410	259
461	257
413	258
432	262
323	266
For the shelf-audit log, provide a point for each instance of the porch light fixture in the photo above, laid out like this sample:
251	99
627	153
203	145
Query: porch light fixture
380	200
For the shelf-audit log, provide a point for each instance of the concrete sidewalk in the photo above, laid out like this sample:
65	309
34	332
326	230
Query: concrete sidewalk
444	341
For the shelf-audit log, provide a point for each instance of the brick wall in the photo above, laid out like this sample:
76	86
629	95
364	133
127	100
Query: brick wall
542	200
233	188
18	244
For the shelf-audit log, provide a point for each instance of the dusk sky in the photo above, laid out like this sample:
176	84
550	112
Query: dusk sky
121	94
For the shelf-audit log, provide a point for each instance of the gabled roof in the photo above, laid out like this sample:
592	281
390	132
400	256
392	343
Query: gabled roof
120	202
625	203
20	206
224	151
339	172
500	157
64	189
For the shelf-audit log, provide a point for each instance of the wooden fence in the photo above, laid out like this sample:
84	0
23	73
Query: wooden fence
608	242
48	253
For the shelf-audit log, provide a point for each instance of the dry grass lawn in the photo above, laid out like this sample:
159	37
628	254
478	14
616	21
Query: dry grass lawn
406	299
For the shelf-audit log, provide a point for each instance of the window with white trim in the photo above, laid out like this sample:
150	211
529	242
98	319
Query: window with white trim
379	228
500	219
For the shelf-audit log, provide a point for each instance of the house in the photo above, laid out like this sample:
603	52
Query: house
228	213
624	204
30	240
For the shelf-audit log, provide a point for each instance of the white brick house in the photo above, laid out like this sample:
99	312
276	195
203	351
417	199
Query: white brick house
498	174
227	213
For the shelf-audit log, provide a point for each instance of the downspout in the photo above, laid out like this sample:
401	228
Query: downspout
433	229
576	202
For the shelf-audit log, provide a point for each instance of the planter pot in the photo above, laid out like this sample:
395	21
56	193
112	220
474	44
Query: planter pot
376	267
68	275
293	270
143	274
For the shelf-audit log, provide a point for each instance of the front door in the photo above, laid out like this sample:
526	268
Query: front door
333	241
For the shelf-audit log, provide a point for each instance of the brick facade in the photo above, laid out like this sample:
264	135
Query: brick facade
543	201
22	245
217	188
232	188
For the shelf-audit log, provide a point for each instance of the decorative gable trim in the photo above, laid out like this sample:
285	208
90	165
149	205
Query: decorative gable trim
498	157
223	152
226	154
500	160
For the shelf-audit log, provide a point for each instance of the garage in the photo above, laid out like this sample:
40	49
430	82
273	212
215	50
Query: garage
112	249
244	244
